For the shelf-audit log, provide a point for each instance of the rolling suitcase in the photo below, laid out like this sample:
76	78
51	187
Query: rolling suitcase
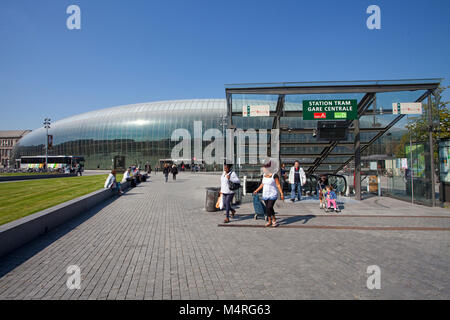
259	207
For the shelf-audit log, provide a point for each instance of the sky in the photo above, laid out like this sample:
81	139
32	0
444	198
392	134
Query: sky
141	50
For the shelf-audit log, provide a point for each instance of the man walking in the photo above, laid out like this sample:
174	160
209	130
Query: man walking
78	169
174	171
166	171
297	179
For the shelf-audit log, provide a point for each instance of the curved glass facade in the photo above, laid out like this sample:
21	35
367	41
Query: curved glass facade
139	132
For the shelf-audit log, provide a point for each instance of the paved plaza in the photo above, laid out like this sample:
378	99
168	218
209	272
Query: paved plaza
157	242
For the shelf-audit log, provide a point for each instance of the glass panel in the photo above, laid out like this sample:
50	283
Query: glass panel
242	100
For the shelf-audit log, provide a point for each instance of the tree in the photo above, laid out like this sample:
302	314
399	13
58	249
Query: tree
418	130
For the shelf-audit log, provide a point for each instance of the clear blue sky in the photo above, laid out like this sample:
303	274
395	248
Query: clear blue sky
141	50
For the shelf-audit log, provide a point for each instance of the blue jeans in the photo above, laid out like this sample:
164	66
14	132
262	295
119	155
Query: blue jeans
297	186
227	198
117	188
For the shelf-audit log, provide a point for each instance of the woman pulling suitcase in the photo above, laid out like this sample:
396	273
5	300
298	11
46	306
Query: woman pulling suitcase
270	184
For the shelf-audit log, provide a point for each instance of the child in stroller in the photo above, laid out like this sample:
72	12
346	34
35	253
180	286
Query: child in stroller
331	197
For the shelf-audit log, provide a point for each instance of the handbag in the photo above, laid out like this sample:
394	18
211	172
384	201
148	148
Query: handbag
233	185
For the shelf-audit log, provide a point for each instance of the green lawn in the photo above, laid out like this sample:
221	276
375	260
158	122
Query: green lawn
19	199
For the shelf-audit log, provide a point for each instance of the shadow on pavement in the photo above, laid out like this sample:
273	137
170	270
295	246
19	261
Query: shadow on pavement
14	259
289	220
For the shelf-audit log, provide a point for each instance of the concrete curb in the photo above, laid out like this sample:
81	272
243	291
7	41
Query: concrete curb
38	176
17	233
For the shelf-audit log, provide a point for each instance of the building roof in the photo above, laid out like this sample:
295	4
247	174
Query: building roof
13	133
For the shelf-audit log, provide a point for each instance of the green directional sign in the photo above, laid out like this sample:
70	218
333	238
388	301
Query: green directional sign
346	109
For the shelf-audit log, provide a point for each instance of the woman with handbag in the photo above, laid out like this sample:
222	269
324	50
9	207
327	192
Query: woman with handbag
229	182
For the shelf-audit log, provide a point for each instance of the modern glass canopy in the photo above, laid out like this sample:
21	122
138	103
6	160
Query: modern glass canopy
375	117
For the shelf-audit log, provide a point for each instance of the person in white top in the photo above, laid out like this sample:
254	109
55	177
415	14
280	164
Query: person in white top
270	184
126	175
297	179
225	191
112	184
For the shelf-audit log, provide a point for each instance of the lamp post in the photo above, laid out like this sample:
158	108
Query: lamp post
46	126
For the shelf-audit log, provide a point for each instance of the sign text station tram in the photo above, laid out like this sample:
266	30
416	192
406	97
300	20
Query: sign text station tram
330	109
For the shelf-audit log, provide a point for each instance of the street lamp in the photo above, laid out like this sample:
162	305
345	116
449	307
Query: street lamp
46	126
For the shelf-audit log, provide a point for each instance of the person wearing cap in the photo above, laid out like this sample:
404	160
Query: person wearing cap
270	184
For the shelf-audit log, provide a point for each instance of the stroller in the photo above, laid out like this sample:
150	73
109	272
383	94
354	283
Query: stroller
322	200
321	192
259	207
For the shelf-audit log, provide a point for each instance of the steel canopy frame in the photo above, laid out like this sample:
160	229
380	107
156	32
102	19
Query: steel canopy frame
383	131
370	88
318	87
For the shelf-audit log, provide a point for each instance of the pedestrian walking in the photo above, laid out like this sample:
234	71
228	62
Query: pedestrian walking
78	169
297	179
174	171
166	171
229	181
270	184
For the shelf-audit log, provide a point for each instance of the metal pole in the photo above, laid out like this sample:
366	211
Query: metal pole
278	145
46	151
46	126
430	133
357	146
411	163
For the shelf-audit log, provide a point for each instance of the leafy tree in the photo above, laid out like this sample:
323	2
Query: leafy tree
418	130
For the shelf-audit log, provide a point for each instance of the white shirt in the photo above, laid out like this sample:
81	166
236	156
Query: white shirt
126	175
269	188
224	182
301	174
110	181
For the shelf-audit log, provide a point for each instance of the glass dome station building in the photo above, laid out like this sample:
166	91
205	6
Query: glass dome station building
140	132
380	138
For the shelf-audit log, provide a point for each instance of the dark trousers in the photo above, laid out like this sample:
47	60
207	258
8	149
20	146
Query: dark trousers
270	213
227	199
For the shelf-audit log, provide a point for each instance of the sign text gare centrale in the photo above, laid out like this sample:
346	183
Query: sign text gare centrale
330	109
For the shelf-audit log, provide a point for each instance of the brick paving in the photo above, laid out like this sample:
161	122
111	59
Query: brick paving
157	242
